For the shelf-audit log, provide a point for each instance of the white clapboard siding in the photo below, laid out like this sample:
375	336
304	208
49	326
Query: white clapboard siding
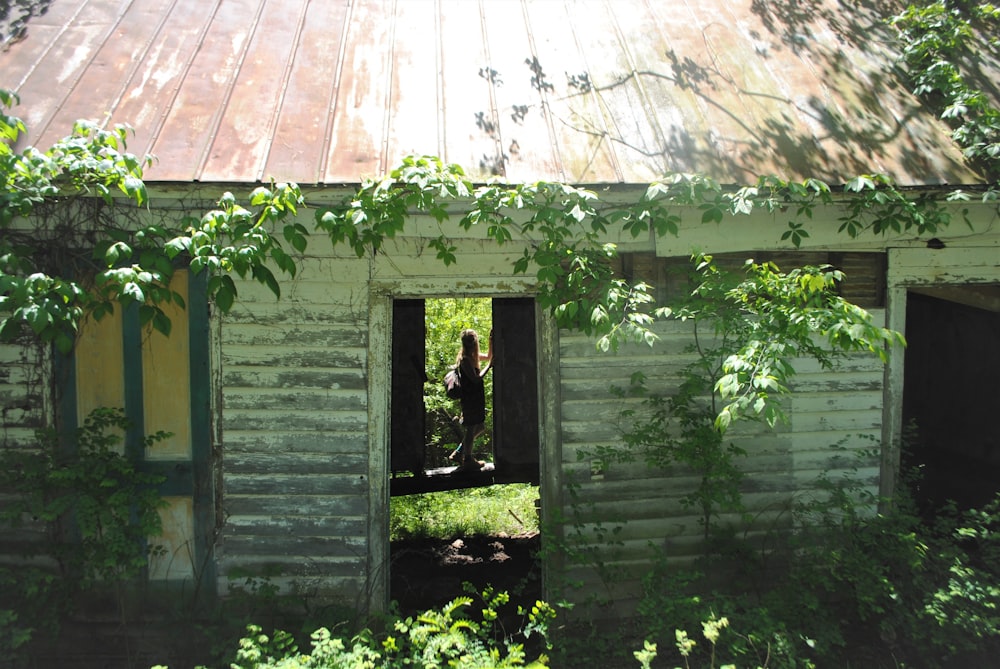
294	425
22	404
834	416
23	384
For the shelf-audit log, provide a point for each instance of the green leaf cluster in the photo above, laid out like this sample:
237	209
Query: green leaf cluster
561	229
760	322
445	637
94	510
97	506
49	280
940	42
749	329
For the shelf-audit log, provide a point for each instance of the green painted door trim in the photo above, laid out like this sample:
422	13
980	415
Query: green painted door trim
132	352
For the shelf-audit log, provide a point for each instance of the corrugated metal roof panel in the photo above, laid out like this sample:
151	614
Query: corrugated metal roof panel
359	114
585	91
302	131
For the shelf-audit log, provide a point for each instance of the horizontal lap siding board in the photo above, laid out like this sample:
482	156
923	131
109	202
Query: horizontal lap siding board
295	429
22	388
834	418
21	400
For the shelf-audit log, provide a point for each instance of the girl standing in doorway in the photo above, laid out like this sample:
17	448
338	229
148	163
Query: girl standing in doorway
473	395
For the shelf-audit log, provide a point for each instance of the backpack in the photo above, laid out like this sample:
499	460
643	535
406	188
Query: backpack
453	384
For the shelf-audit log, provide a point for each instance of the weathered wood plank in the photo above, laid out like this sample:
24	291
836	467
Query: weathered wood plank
859	421
412	258
954	264
304	524
20	436
328	379
300	336
282	312
295	420
354	488
266	399
855	399
324	580
294	358
317	507
296	463
262	441
301	546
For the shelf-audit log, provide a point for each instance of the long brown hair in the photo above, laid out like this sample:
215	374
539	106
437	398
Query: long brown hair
470	348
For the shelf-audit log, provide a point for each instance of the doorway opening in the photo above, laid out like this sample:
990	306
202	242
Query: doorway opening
448	526
951	449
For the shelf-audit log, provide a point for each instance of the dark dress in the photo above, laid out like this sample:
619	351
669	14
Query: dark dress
473	396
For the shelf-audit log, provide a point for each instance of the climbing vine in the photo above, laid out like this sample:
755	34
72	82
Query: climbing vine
561	229
936	40
84	256
564	227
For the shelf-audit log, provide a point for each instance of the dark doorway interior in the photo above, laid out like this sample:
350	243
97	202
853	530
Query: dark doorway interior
951	449
429	571
515	441
515	391
407	452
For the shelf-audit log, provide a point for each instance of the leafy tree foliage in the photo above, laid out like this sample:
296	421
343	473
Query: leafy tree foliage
748	330
68	250
937	40
454	635
97	509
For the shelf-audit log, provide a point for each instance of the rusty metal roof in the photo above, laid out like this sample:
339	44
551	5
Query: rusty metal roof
588	91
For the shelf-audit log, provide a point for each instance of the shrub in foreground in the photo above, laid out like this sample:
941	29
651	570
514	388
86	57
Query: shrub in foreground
436	638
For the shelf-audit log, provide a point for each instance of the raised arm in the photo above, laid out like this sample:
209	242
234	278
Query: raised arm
488	356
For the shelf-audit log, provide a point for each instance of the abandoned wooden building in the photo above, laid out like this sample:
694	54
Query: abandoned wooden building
290	416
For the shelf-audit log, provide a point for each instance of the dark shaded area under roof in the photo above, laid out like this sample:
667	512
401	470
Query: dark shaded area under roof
614	91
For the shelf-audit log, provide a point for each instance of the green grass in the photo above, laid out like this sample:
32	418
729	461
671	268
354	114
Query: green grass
499	509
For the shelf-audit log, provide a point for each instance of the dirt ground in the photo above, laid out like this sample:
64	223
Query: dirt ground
429	573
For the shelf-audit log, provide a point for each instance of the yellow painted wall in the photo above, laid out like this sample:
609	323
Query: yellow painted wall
175	559
166	381
100	365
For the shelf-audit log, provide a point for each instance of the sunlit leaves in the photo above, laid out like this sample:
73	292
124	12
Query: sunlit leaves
236	239
936	39
11	127
767	318
132	264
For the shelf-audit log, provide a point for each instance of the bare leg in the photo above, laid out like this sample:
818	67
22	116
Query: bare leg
465	450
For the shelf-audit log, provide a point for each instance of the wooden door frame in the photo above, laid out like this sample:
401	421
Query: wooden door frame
909	268
380	324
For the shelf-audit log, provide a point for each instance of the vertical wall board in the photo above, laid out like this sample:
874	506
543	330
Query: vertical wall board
204	459
515	381
377	566
407	448
551	491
